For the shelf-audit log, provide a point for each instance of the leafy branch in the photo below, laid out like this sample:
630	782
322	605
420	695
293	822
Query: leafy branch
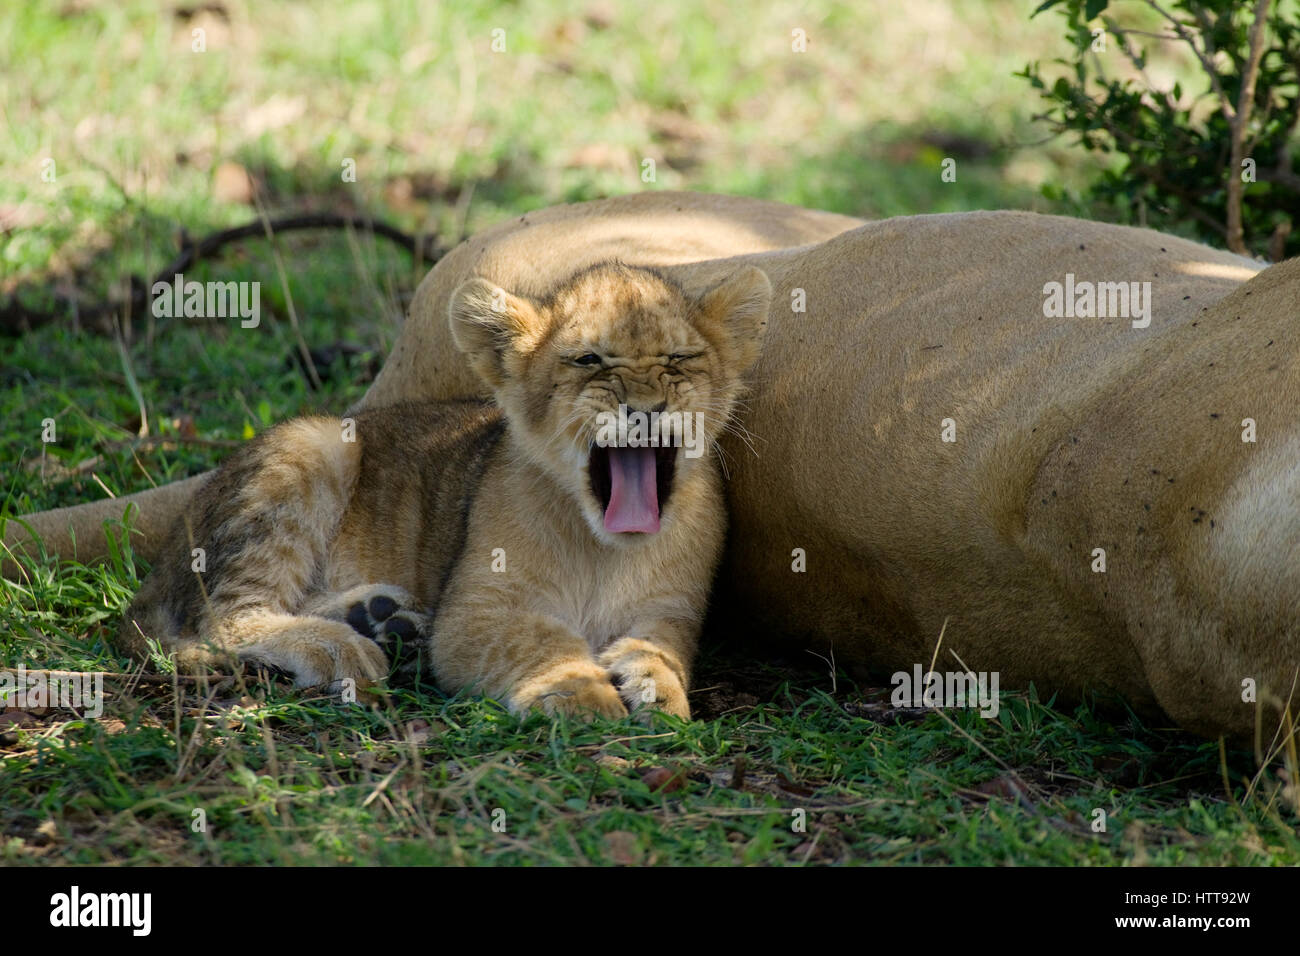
1219	159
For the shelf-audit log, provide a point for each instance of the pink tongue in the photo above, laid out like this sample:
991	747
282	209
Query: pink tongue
633	498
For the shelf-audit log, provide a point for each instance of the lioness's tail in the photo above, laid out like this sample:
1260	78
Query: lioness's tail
78	531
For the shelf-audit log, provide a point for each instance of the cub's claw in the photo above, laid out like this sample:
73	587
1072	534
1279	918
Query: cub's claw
644	678
582	690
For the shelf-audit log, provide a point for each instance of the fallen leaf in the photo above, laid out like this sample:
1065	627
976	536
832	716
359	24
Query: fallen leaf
788	785
20	216
601	15
185	426
663	780
1005	787
276	113
601	156
623	848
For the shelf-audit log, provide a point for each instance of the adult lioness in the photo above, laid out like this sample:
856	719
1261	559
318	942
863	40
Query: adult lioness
522	556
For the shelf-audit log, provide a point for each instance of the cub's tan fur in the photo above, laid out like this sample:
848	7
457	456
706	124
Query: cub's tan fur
474	536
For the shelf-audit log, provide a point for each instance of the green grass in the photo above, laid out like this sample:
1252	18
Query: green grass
414	777
450	137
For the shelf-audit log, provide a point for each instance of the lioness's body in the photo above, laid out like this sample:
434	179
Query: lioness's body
1066	431
1072	434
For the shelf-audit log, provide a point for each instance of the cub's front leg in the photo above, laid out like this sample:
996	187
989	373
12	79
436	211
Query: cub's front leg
526	660
652	669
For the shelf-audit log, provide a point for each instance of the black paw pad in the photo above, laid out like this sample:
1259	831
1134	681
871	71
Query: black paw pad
360	620
400	627
382	607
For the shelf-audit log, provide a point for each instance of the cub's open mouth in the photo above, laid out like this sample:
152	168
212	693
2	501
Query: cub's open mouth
632	485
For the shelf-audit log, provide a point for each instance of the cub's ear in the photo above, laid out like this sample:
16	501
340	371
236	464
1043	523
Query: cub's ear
487	323
737	309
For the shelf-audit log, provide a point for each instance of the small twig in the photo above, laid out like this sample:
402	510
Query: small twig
1145	33
1122	35
15	318
830	663
1239	122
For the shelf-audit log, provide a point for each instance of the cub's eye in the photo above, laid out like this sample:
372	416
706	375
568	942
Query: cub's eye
683	356
590	358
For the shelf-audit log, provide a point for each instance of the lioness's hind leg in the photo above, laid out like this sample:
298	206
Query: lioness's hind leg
386	614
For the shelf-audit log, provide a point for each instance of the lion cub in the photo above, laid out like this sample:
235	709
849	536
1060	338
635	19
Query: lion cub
525	549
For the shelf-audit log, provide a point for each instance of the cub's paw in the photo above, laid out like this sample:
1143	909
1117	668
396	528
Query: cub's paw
387	615
316	652
401	633
645	676
577	688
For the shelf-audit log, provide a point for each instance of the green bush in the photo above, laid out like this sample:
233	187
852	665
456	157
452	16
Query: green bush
1215	160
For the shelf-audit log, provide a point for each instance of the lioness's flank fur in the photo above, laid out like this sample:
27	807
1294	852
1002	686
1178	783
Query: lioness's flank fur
497	546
